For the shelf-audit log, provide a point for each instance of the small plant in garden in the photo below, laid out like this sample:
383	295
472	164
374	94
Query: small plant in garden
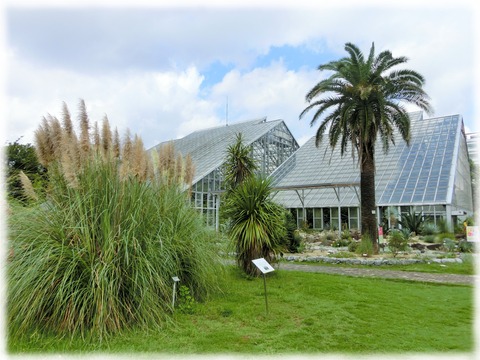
440	238
406	232
397	242
365	247
341	254
429	239
465	246
352	247
442	226
413	221
356	234
449	245
346	235
341	242
186	302
293	240
429	228
330	235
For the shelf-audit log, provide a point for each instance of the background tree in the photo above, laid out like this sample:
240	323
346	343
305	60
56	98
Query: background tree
362	100
21	158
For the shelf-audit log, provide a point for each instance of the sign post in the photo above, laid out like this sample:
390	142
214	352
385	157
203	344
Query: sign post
264	267
175	280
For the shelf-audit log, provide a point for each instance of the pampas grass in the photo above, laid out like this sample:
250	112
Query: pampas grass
97	256
27	187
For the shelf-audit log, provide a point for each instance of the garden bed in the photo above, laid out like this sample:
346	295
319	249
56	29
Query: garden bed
317	249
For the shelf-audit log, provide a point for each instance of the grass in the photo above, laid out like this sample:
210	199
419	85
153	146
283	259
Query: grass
308	314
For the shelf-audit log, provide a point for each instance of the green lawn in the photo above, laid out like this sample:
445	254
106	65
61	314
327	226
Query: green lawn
309	313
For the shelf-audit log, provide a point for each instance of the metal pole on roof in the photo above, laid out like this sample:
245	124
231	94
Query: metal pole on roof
226	113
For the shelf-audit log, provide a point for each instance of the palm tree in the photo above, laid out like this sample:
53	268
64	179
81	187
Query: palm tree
360	101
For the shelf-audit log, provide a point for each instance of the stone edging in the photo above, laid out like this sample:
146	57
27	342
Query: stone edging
357	261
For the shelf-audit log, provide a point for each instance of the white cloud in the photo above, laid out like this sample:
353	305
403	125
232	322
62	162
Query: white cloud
156	105
161	102
272	91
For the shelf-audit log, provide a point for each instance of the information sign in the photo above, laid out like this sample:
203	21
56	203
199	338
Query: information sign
380	234
473	233
263	265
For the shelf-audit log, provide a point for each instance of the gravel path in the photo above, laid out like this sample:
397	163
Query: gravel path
386	274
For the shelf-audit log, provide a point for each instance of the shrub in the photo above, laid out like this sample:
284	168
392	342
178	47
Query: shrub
340	242
429	239
341	254
346	235
330	235
365	246
406	232
186	302
440	238
397	242
442	226
356	234
352	247
293	238
465	246
429	228
449	245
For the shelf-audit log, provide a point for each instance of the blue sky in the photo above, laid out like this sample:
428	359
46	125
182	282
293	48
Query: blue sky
164	71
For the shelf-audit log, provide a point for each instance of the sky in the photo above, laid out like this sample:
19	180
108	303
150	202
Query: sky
164	71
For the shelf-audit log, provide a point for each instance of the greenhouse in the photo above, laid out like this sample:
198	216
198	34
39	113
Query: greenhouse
272	144
431	176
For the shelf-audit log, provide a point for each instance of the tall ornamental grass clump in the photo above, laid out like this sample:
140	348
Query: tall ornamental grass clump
97	255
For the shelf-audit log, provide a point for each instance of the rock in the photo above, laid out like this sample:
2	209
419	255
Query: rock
417	246
434	246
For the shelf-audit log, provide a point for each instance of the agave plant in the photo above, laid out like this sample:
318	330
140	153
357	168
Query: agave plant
413	221
257	223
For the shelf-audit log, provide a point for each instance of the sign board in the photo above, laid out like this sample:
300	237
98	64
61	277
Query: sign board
473	233
263	265
380	234
459	213
175	278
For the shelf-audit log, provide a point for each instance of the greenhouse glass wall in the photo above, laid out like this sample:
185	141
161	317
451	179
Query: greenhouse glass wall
271	142
430	176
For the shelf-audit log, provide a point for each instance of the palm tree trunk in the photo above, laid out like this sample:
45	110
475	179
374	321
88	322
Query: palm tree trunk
367	195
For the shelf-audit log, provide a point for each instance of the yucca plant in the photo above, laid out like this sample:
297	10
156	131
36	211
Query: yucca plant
257	223
239	164
98	254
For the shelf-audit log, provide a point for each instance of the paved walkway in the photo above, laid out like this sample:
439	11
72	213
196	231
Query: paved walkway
381	273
